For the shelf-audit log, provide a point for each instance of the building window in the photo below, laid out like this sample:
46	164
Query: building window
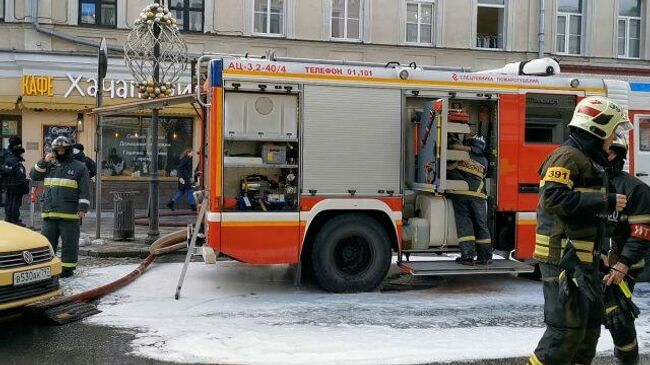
2	10
268	17
126	145
419	22
188	14
346	19
569	27
547	117
629	28
98	12
490	24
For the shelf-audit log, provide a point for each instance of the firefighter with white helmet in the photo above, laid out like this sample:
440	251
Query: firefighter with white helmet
625	255
67	197
575	200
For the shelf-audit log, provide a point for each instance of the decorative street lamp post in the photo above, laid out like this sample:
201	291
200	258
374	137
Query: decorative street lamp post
156	54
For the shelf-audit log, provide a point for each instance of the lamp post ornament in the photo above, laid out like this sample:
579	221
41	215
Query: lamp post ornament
156	54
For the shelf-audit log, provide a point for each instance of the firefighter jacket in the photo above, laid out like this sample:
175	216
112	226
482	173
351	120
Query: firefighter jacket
573	204
473	172
67	187
631	233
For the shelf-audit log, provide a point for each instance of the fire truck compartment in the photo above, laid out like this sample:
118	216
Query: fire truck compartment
351	143
450	267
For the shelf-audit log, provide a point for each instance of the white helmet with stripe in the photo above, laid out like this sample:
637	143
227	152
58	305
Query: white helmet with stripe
600	117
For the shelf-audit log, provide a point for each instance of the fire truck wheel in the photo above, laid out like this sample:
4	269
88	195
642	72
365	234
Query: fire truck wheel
351	253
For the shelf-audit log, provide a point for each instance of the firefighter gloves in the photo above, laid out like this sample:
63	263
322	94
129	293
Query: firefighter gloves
619	307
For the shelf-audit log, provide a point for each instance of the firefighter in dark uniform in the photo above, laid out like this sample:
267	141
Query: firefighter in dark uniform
571	229
470	206
625	255
66	200
16	181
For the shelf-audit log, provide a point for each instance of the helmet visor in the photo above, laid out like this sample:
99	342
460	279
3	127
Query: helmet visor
624	126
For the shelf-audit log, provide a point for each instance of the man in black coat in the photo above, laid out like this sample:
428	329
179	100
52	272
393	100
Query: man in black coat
79	155
15	179
184	173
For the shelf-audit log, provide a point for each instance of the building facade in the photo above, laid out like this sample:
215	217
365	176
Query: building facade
48	73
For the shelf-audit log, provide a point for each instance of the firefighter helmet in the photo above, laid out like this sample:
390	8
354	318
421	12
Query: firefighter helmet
600	117
477	144
61	143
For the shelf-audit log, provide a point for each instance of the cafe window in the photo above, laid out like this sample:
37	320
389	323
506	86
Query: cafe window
126	145
547	117
10	127
98	12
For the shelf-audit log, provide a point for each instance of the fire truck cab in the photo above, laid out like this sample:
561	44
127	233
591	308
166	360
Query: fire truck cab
322	164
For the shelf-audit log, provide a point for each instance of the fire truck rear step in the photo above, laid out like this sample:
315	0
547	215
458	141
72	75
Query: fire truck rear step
439	268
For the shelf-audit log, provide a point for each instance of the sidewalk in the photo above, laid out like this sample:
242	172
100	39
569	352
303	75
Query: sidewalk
106	246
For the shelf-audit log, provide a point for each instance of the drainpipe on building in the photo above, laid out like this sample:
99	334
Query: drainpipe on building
68	37
542	26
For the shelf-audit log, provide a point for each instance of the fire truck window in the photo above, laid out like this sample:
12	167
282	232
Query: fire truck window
547	117
644	135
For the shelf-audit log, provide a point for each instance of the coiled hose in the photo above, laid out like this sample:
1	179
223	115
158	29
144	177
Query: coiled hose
166	244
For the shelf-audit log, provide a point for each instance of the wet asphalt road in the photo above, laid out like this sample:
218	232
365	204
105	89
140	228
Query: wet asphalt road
26	342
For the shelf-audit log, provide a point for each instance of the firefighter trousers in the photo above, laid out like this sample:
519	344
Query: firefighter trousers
572	329
472	227
626	347
69	231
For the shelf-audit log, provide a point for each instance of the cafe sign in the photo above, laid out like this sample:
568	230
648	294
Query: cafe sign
87	86
38	85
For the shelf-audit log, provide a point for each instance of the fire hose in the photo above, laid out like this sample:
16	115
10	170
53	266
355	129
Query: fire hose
169	243
66	309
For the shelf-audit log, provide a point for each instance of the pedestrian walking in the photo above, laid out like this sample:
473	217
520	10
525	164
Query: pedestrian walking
184	171
575	199
79	155
470	206
16	182
625	255
66	200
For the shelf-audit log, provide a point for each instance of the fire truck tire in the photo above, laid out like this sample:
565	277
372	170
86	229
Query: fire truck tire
351	253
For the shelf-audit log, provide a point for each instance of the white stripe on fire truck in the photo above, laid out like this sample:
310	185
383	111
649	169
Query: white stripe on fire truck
526	218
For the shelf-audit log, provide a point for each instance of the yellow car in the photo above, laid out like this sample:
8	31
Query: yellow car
29	270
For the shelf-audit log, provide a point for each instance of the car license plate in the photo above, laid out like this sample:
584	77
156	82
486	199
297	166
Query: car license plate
31	276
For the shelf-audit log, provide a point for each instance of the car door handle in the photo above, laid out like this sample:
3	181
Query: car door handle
641	174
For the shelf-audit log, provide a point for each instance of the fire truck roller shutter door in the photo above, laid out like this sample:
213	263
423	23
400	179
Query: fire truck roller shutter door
352	140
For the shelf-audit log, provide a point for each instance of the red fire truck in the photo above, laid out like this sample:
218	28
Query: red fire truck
315	163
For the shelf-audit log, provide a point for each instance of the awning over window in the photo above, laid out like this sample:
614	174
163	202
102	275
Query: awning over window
79	104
